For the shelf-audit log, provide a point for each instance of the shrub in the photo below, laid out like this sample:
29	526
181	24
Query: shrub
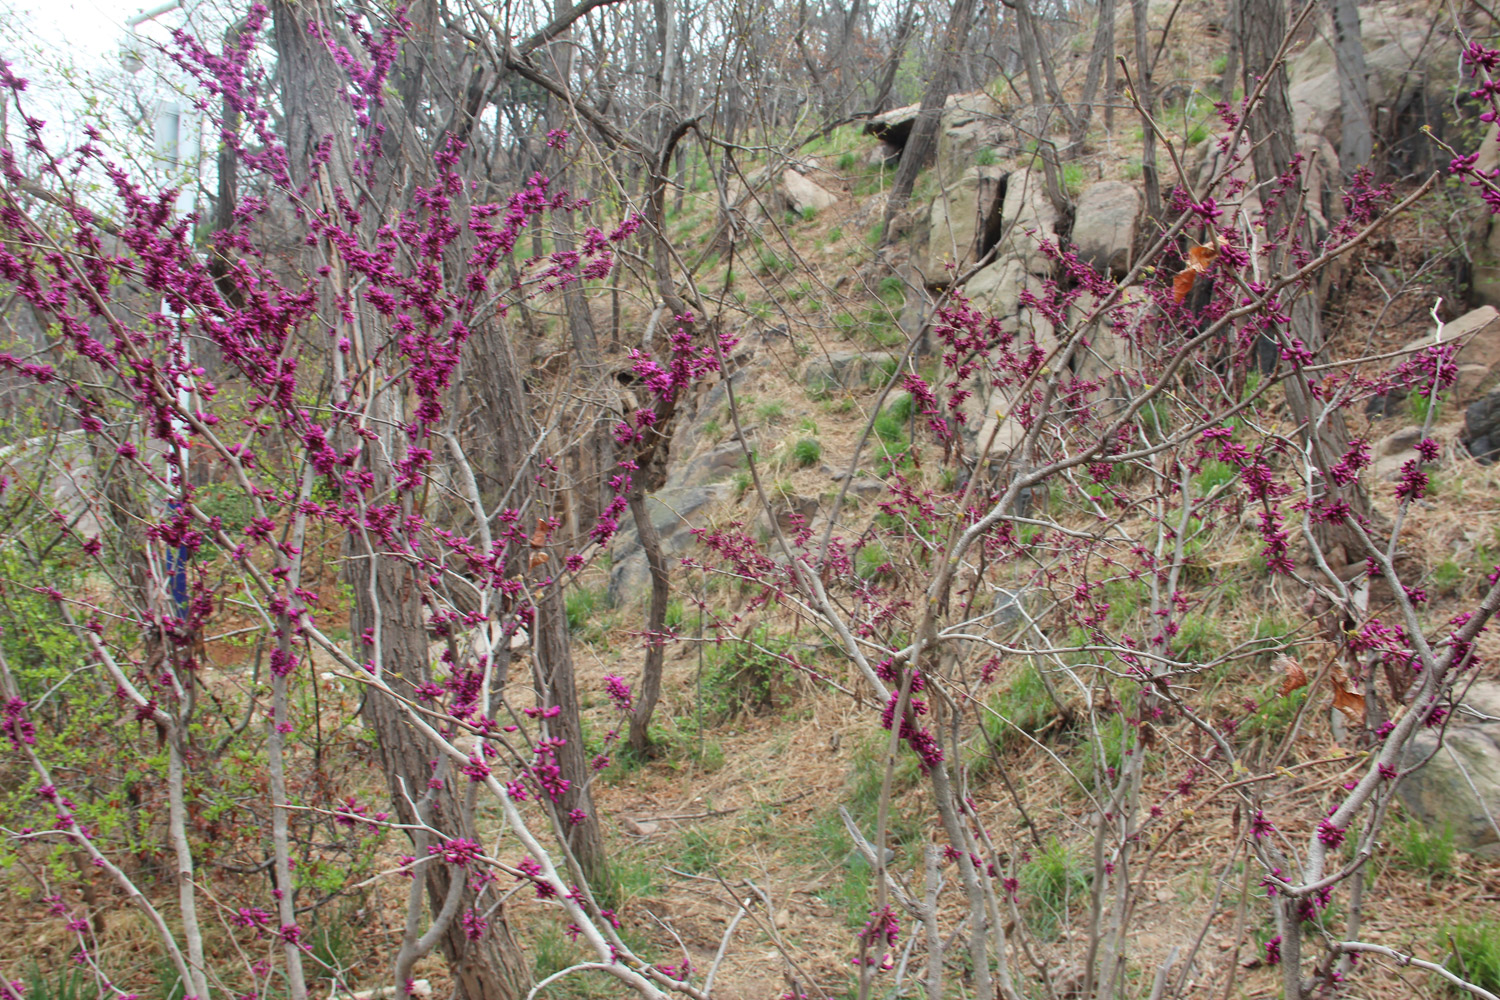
1073	178
893	422
583	606
749	675
806	452
1023	702
871	561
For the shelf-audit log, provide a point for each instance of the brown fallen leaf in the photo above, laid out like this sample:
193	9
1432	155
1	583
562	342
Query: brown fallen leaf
537	558
1294	676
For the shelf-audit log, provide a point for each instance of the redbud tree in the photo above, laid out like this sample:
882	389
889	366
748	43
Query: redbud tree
365	393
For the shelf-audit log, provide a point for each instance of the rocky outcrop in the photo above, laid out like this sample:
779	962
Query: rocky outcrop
964	219
1404	59
1104	226
971	123
996	287
675	511
1393	451
793	190
1482	428
1027	216
1479	358
1459	786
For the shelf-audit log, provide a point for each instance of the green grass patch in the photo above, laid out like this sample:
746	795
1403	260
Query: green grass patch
807	451
1051	883
1475	953
1428	852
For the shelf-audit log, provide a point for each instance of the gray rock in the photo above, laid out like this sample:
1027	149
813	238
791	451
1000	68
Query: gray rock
675	512
712	405
1442	793
803	194
1402	62
1028	216
786	508
1105	227
964	216
1482	427
970	122
1106	356
716	463
1013	607
1479	330
883	155
996	287
1399	442
847	370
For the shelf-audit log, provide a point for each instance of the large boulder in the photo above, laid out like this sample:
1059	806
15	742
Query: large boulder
803	194
716	463
1104	228
987	411
971	120
996	287
964	217
970	123
1482	428
893	127
675	512
1106	354
1403	61
1479	358
1027	216
1459	786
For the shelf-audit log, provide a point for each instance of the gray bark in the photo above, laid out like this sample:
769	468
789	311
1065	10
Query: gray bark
1357	142
1101	56
1145	95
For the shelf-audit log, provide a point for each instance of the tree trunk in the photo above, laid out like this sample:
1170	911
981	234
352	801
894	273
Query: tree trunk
1261	29
491	966
1357	142
1031	58
921	145
386	596
1103	54
1144	94
509	433
650	689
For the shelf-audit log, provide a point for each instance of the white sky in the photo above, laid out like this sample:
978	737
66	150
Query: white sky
70	50
89	30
